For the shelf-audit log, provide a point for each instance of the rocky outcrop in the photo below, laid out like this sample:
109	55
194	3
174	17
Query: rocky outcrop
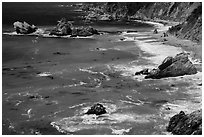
83	31
63	28
97	109
171	67
186	124
24	28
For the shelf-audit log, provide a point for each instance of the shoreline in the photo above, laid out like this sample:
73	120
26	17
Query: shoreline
195	49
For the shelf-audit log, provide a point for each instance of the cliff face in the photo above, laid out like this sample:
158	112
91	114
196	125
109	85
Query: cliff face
189	14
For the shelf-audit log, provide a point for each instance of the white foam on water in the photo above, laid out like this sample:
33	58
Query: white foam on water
112	120
77	123
143	37
130	102
78	105
131	33
93	72
44	74
29	114
75	85
120	131
150	40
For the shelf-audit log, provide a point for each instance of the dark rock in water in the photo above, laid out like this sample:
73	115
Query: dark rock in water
186	124
122	39
51	77
155	31
63	28
59	53
97	109
171	67
131	31
74	32
142	72
83	31
6	69
24	28
165	34
200	84
92	30
154	73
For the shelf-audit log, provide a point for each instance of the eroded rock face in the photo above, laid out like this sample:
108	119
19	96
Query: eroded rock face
24	28
171	67
97	109
186	124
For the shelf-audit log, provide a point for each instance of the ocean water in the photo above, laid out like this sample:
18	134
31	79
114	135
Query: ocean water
44	92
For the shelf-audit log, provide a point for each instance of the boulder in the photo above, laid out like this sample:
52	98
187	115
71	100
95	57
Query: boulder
63	28
155	31
97	109
186	124
24	28
83	31
171	67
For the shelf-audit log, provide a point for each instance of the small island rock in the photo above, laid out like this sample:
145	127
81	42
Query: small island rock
24	28
97	109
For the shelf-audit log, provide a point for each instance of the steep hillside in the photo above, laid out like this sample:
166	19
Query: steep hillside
189	14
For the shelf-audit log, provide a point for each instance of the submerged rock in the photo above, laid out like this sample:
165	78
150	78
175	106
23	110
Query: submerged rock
171	67
97	109
186	124
24	28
